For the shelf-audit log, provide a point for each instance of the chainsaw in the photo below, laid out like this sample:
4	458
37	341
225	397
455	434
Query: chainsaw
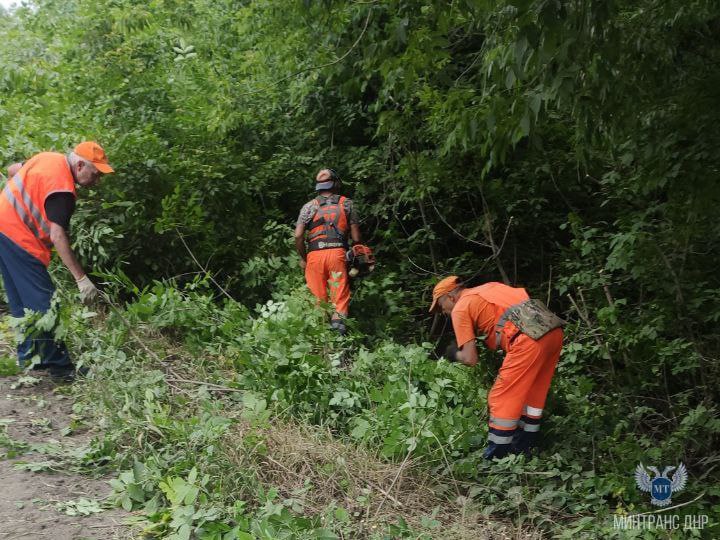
361	261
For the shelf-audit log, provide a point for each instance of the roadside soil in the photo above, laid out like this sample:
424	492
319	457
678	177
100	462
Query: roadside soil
34	505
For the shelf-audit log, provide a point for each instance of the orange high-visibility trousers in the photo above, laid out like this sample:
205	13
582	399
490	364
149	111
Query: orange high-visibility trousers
517	398
327	269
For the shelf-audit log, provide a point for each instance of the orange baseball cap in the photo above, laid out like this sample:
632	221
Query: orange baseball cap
95	154
444	286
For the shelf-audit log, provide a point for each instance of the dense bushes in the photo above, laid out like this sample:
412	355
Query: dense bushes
568	147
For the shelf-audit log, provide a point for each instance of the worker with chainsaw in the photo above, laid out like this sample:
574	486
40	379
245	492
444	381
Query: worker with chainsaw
330	220
531	337
35	210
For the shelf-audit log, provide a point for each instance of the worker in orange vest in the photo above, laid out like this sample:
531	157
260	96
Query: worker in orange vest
36	205
531	337
329	219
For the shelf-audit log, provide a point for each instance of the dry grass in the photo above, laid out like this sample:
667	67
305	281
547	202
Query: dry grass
306	464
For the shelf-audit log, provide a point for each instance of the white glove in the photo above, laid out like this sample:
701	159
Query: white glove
88	290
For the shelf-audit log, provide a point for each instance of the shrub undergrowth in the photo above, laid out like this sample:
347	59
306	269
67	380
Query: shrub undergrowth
174	374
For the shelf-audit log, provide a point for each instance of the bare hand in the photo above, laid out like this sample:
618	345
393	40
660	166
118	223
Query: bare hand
303	263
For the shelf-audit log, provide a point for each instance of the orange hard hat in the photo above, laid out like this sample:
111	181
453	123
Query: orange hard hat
95	154
444	286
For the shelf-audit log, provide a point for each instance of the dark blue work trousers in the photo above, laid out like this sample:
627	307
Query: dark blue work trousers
28	286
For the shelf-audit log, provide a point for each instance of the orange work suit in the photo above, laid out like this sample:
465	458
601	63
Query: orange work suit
518	395
327	269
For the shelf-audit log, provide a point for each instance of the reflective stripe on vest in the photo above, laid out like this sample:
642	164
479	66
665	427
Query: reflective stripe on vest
30	206
22	204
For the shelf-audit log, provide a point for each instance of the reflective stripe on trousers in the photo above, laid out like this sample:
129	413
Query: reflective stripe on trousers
501	436
532	411
504	422
529	427
497	439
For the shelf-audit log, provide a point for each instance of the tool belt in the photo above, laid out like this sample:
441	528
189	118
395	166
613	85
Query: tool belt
532	318
326	244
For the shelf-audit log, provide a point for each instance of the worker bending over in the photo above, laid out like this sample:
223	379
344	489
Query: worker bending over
35	209
531	337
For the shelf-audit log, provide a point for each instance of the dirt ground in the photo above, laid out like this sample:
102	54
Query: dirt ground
35	505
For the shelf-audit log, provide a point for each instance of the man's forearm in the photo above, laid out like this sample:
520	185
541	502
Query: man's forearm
467	354
61	242
355	234
300	247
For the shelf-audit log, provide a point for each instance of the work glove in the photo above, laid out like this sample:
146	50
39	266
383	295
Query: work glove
88	290
451	352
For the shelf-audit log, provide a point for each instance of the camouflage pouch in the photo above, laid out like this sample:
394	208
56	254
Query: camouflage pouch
532	318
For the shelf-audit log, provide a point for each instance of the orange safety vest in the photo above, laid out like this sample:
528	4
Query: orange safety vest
22	203
500	297
329	227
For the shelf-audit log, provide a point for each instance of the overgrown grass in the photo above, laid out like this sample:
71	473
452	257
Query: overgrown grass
237	425
204	456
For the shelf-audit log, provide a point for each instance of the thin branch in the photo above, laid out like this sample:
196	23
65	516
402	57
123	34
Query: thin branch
489	234
586	319
437	211
447	463
387	495
127	324
547	303
478	55
216	387
399	472
424	271
427	227
314	68
502	244
562	195
205	270
673	507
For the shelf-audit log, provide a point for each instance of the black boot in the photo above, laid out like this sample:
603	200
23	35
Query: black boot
524	442
68	374
494	450
339	326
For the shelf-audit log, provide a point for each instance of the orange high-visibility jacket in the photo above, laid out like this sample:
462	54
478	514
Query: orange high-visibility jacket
500	297
22	203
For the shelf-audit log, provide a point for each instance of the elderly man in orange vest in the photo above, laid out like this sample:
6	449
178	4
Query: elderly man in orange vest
531	337
35	209
330	220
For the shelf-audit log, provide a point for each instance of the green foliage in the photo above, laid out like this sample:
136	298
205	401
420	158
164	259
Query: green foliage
393	398
567	147
8	366
80	507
